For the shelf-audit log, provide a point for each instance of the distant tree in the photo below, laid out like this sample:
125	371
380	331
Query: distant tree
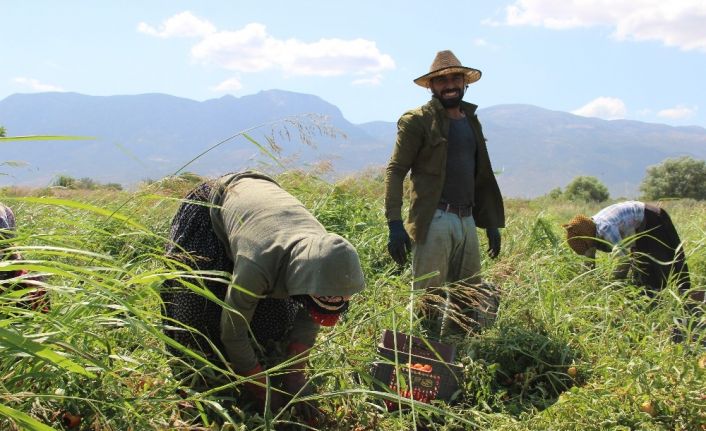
555	194
86	183
190	177
113	186
2	131
64	181
682	177
588	189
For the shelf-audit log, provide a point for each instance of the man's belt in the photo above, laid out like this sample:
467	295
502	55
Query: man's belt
465	211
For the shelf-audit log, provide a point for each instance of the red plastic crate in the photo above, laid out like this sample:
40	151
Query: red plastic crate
418	375
418	346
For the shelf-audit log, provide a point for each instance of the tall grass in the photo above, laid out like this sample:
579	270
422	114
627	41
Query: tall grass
571	348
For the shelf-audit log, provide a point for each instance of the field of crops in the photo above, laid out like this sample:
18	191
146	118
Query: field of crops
571	349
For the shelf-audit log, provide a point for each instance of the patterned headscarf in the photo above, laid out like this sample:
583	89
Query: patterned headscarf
7	222
579	231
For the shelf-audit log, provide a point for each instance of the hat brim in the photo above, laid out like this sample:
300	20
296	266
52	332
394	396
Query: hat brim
471	75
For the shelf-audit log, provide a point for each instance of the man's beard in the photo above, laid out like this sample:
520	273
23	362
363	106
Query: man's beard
453	102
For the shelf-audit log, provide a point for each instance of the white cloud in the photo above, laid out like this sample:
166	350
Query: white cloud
249	49
608	108
253	49
484	44
232	84
678	112
35	85
332	57
678	23
183	24
371	81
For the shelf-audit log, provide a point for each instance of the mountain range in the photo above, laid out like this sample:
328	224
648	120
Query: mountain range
149	136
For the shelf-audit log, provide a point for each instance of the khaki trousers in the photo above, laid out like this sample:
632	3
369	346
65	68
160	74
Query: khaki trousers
447	268
451	248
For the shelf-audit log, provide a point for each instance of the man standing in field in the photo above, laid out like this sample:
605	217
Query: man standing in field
453	191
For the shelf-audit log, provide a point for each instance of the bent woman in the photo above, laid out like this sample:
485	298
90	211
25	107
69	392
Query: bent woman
288	275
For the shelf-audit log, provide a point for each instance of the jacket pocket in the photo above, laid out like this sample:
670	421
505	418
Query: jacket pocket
432	155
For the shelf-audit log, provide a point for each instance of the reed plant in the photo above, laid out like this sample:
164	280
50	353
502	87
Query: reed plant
571	349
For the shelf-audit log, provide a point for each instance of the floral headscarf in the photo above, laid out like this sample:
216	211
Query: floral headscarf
7	222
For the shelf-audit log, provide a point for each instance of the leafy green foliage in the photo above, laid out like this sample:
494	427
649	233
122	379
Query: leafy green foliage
3	132
64	181
683	177
174	185
587	189
555	193
85	183
571	348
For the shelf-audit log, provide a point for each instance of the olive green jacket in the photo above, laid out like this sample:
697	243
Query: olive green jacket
422	148
278	249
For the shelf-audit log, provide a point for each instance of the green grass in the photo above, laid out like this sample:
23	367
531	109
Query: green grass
100	353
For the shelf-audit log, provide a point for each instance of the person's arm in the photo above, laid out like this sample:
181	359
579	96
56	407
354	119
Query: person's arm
410	136
295	381
304	329
242	297
409	139
301	340
622	267
488	209
235	326
494	241
591	255
611	235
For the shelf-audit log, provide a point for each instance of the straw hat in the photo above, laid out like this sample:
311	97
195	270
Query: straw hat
446	63
579	231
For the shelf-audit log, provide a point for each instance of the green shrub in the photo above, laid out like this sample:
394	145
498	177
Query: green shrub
587	189
682	177
64	181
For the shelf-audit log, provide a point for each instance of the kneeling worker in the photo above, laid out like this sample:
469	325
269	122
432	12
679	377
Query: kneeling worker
289	277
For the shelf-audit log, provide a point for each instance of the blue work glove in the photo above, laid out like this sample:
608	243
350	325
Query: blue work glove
493	241
398	243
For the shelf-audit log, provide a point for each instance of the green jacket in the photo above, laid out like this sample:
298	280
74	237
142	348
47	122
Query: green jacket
422	148
278	250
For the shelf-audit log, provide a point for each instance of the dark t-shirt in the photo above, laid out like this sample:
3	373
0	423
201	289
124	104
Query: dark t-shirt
460	164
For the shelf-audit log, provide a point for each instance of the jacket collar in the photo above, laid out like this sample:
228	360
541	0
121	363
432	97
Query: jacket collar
468	108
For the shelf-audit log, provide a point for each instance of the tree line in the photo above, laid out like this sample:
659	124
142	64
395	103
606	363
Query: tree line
682	177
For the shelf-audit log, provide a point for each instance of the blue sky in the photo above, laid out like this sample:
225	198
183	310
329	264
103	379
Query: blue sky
635	59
